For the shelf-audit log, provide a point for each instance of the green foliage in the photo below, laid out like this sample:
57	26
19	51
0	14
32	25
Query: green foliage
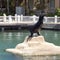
31	12
41	6
50	14
1	14
57	12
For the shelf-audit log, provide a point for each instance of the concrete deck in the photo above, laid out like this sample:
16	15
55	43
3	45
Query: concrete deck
27	24
55	26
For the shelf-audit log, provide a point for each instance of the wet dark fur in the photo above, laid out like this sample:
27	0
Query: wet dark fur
35	28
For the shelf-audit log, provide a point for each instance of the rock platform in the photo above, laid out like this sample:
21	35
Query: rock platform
35	46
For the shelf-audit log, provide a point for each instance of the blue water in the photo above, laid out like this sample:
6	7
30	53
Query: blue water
12	38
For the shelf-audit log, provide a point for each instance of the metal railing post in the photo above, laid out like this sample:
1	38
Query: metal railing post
18	18
15	17
45	19
55	18
10	19
21	18
34	18
4	18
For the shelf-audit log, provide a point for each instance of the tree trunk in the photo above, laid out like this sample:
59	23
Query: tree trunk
8	6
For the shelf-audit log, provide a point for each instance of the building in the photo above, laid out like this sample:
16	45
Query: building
52	5
9	6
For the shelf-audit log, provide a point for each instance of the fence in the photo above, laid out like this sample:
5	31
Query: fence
54	19
18	19
22	19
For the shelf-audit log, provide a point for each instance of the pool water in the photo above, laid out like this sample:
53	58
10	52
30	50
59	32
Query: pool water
10	39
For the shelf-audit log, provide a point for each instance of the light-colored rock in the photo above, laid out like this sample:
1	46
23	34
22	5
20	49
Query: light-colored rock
35	46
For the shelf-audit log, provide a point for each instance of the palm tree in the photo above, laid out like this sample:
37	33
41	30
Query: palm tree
8	6
1	5
40	5
12	6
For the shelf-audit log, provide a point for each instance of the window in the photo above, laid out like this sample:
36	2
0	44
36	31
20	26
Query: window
52	5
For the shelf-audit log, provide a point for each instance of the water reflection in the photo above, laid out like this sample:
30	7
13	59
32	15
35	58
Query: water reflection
55	35
11	39
41	58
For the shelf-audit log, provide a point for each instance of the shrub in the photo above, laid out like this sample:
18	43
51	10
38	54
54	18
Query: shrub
57	12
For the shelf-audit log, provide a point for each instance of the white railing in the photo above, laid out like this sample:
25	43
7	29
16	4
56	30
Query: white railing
21	19
54	19
18	18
